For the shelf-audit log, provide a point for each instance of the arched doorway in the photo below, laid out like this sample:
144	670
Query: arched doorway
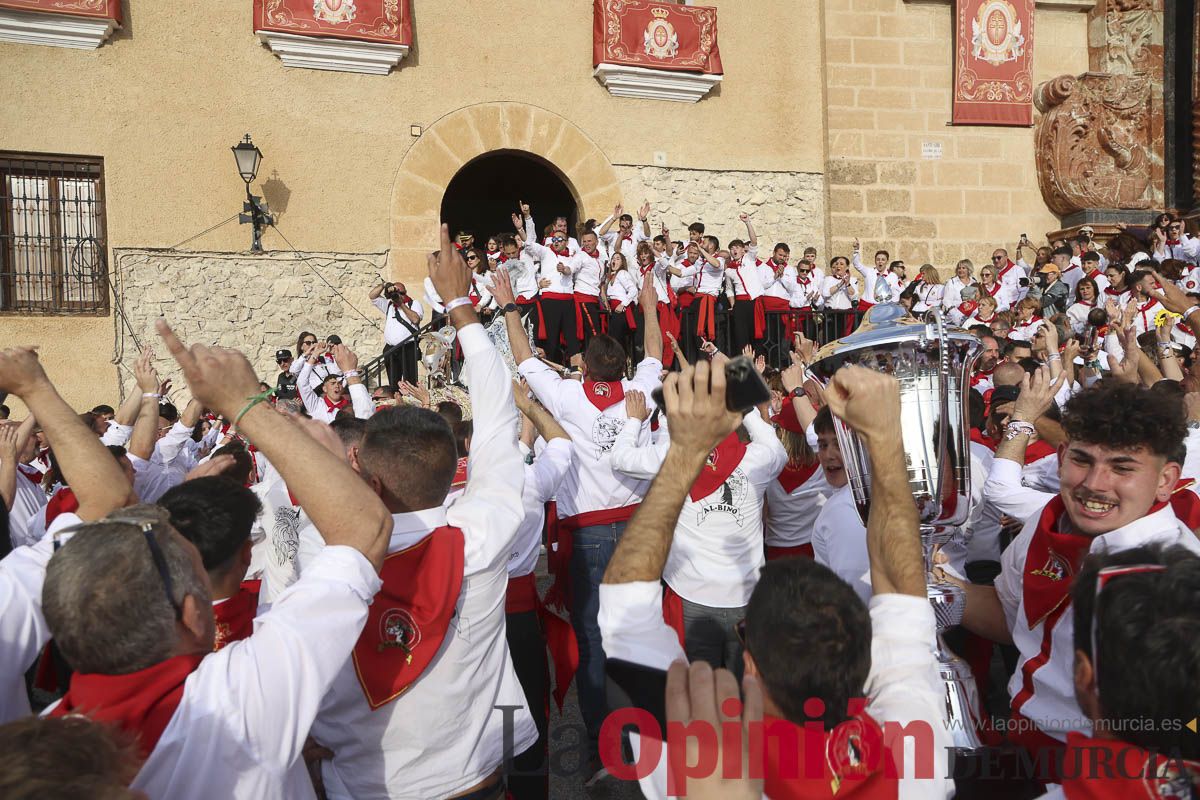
483	195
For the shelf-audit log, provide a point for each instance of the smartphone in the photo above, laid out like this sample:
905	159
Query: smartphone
744	387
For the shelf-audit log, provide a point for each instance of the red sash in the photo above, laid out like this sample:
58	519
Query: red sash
1130	771
235	616
760	314
629	318
721	463
798	551
582	314
141	703
706	319
668	322
410	616
460	474
64	501
603	394
792	478
560	638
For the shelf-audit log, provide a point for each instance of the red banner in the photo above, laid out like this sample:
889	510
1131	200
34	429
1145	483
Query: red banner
993	62
639	33
97	9
388	21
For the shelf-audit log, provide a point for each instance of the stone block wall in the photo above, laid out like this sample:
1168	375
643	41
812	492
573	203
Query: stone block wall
257	303
889	73
784	206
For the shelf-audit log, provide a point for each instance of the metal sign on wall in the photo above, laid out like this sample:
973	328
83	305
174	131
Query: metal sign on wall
993	62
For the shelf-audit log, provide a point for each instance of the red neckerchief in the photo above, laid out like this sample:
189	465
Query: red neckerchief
64	501
1038	450
1109	290
968	307
1143	309
982	375
31	474
410	616
1051	562
628	238
339	405
721	463
235	616
1094	274
979	437
854	761
460	474
989	320
1133	772
793	477
1173	243
1086	302
140	703
1186	503
994	291
593	253
603	394
503	260
1004	271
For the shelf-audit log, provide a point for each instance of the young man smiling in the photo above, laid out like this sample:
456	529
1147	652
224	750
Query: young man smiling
1117	475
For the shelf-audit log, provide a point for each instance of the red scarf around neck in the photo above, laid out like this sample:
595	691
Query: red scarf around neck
793	477
141	703
603	394
721	463
1131	772
338	406
235	616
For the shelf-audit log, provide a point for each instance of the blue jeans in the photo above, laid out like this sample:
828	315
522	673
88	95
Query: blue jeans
591	549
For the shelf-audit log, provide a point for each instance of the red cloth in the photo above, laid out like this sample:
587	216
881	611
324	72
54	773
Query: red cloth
583	316
603	394
983	439
662	36
141	703
1130	771
384	21
760	315
719	465
706	319
673	612
629	318
668	322
1186	503
857	763
410	615
339	405
793	477
560	636
1052	561
992	68
800	550
102	9
235	616
64	501
460	474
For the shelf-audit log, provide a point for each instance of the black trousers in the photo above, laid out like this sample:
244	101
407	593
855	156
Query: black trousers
401	363
592	324
743	325
530	779
560	325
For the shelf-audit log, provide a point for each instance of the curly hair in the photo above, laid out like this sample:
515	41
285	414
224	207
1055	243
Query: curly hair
1101	415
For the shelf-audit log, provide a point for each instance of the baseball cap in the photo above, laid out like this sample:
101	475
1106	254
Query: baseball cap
280	355
1050	266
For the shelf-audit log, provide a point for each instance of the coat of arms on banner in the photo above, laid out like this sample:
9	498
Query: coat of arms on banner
661	39
334	11
996	33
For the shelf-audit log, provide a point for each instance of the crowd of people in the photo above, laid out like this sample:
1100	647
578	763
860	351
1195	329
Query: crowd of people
313	587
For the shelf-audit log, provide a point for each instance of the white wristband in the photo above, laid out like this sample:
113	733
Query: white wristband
350	373
456	302
155	395
1191	311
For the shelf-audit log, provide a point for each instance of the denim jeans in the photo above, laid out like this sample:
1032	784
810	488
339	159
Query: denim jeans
711	635
591	549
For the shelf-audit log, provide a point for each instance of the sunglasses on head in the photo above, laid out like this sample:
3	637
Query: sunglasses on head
148	531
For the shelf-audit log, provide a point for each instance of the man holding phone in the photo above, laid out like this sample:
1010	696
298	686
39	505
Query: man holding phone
401	328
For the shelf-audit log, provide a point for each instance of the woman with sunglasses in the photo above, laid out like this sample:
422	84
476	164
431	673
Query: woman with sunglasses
990	285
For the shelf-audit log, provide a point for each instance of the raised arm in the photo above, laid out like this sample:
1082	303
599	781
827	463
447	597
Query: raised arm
360	398
340	504
752	237
652	333
8	463
644	218
699	420
145	427
90	470
304	383
869	403
518	340
607	224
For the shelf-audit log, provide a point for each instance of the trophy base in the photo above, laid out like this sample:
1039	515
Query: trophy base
961	698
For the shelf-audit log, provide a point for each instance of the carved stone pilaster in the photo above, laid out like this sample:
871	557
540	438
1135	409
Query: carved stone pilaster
1100	134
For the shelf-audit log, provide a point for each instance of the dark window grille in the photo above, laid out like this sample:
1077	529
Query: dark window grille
53	249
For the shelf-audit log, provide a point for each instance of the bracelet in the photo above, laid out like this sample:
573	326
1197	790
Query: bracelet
155	395
1018	427
351	373
1054	357
252	402
456	302
1190	311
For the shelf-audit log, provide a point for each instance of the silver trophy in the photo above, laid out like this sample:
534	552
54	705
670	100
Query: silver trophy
435	347
933	364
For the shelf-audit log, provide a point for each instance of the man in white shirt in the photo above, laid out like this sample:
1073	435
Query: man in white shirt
401	329
1116	476
811	645
626	238
749	318
708	270
588	268
556	277
334	396
871	275
238	717
1174	243
839	540
717	550
418	708
594	501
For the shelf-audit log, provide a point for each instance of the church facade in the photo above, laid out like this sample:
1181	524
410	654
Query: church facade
826	120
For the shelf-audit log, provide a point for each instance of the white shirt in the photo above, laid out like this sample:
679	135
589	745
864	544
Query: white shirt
1047	694
444	734
318	409
285	539
523	270
548	262
901	687
1000	293
806	292
744	275
838	297
839	541
1025	331
28	501
623	288
626	245
717	551
1188	250
1010	275
712	277
542	479
318	373
587	270
1143	320
791	517
591	484
870	277
1077	313
952	293
928	295
23	631
395	331
431	297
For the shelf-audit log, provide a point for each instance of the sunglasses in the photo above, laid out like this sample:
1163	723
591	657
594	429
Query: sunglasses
472	258
309	341
147	528
1103	578
997	258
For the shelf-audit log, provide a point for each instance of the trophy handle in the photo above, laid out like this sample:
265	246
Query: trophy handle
943	393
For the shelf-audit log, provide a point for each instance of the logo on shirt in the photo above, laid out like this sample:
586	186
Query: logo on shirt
398	629
1055	568
286	538
604	432
601	389
729	499
661	40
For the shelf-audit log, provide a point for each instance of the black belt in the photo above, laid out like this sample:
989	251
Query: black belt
490	792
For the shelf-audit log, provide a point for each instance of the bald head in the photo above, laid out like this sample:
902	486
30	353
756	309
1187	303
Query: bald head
1008	374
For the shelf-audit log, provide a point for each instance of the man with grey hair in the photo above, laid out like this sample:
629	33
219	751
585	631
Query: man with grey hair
127	600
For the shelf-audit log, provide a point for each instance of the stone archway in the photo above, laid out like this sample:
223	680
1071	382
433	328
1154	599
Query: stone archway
462	136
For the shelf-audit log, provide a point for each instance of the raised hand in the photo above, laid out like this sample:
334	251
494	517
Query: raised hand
345	358
695	404
748	351
516	221
1037	394
143	372
214	466
644	211
1171	296
449	272
760	364
635	405
743	216
20	371
502	287
218	377
524	208
618	210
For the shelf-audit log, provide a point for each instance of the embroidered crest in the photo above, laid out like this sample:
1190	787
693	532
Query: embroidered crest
996	33
1055	568
601	389
334	11
661	39
398	629
223	635
849	751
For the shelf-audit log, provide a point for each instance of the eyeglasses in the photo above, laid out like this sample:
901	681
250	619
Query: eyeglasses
472	258
997	258
147	528
1103	578
309	341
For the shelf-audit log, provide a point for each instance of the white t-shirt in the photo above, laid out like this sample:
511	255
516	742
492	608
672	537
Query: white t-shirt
838	297
791	516
395	331
542	479
839	541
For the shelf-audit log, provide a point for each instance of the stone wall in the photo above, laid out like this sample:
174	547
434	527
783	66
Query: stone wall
256	303
784	206
899	177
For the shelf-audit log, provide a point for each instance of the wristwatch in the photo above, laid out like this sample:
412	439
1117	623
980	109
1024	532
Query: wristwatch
797	392
510	307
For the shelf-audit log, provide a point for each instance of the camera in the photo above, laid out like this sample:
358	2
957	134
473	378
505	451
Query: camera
392	293
744	386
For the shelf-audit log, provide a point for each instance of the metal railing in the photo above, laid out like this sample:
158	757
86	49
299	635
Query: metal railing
53	249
